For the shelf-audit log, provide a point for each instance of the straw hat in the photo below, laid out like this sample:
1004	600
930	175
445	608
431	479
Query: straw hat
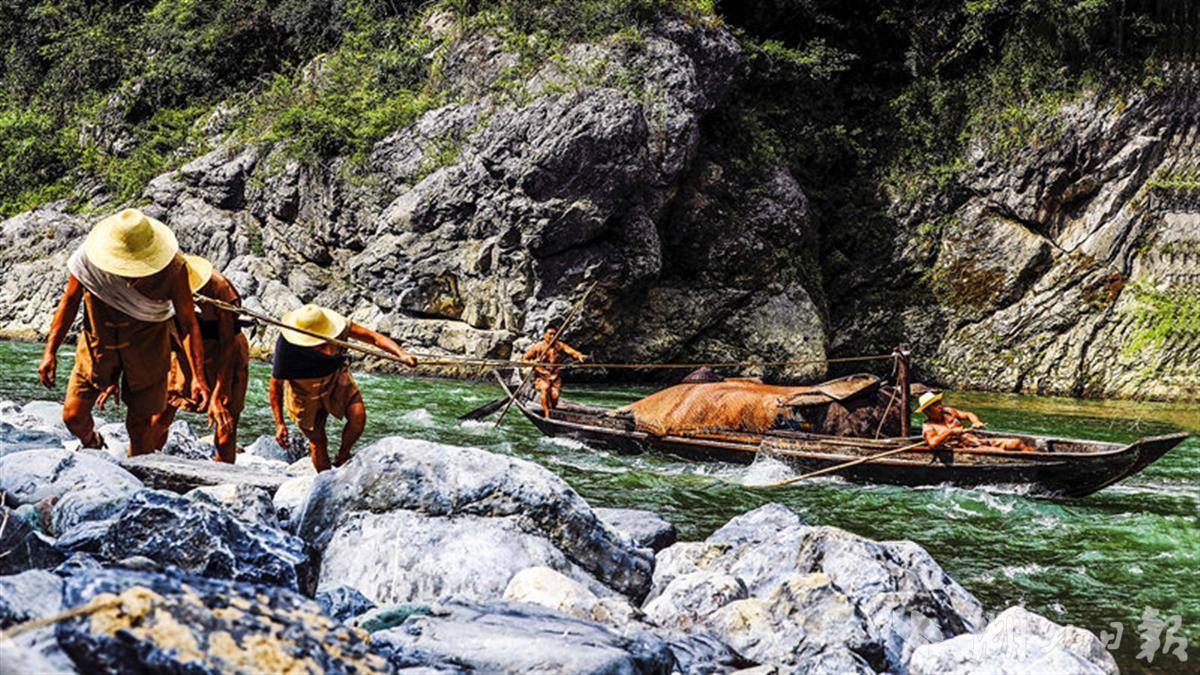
927	399
313	319
130	244
199	271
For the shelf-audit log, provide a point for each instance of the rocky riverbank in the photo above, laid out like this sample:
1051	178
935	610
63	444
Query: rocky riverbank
418	555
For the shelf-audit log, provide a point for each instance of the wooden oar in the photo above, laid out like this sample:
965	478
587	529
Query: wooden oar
831	469
484	410
561	329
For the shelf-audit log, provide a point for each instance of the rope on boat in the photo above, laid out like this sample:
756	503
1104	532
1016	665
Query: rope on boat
428	359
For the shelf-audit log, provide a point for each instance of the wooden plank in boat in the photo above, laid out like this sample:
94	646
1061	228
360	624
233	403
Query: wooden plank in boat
848	387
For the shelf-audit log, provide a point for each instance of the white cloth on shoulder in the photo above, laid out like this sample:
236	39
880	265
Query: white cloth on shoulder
116	292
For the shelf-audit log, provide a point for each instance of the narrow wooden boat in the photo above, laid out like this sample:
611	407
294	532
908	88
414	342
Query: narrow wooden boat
1059	466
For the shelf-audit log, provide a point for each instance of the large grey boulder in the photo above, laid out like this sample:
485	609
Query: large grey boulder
646	528
488	517
172	622
183	442
180	474
267	447
29	476
291	495
36	425
810	593
197	537
510	638
23	547
34	594
250	503
1015	642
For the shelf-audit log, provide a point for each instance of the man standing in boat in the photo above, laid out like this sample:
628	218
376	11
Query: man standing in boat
131	281
311	379
943	428
548	379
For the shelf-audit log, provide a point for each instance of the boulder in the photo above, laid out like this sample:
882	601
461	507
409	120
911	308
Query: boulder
88	504
646	528
22	547
343	603
810	591
1016	642
181	475
550	589
291	495
488	516
249	503
30	595
183	442
36	425
199	538
173	622
29	476
267	447
513	638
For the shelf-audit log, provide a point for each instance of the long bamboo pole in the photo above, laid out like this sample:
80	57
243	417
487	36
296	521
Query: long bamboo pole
561	329
831	469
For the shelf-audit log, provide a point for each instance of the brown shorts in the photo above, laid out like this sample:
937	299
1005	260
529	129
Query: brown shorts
140	362
306	399
179	381
544	383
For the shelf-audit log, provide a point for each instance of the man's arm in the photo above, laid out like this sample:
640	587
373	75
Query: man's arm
937	434
364	334
275	395
218	412
571	351
185	314
968	416
533	353
64	316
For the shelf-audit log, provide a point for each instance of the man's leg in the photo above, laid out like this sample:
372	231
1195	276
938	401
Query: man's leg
225	438
318	442
77	415
554	391
142	434
356	421
160	428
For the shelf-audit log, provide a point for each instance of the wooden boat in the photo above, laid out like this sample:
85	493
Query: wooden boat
1058	467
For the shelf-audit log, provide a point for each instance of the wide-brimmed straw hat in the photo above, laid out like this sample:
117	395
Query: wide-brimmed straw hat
314	319
927	399
130	244
199	271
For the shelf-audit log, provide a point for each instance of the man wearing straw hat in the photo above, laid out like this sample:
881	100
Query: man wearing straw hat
226	363
943	427
131	280
311	379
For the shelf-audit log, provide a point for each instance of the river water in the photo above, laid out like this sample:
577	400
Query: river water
1091	562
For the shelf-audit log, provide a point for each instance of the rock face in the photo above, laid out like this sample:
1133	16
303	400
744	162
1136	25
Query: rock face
452	522
1017	641
645	528
485	638
485	217
29	476
782	592
1044	265
176	623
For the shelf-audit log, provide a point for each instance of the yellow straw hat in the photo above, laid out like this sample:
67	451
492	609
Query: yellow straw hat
314	319
130	244
927	399
199	271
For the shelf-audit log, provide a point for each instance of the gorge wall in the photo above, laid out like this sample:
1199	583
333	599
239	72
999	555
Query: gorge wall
1066	264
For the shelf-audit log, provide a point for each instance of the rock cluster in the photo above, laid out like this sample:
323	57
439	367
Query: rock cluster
437	558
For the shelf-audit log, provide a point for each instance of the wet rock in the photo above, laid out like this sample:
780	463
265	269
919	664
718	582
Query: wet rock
23	547
172	622
390	616
249	503
30	595
89	504
29	476
182	442
200	538
811	591
646	528
482	638
290	497
267	447
343	603
1017	641
181	475
487	517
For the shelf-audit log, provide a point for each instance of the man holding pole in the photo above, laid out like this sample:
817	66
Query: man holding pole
548	379
311	379
131	281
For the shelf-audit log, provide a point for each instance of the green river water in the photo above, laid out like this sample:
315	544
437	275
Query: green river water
1090	562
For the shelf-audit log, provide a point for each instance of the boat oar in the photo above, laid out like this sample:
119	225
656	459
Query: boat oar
837	467
485	409
561	329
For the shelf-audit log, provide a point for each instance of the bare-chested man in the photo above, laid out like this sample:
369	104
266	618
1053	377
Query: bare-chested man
132	282
548	379
943	427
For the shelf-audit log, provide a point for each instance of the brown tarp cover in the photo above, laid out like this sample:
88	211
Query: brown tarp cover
737	405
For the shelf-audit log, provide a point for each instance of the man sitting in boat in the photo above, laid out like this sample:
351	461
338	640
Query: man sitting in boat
943	427
548	380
